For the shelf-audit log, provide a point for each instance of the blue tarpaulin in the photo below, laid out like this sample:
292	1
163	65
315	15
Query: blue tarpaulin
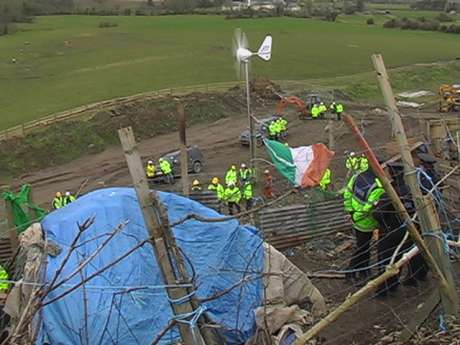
127	304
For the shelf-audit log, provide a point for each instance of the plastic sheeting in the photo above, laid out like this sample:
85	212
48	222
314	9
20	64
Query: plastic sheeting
126	304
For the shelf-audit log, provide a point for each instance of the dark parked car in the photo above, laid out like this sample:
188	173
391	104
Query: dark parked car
195	162
261	130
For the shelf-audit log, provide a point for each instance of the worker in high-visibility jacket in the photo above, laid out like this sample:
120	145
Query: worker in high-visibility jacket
217	188
166	169
58	201
362	193
196	186
232	196
363	163
4	285
245	174
231	176
352	163
68	198
150	169
326	180
283	123
339	110
248	194
322	109
315	111
273	130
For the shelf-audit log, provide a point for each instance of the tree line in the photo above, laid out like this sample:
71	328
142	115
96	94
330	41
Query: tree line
20	11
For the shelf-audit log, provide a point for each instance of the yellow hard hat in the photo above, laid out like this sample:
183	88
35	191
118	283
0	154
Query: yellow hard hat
215	180
58	194
195	183
233	167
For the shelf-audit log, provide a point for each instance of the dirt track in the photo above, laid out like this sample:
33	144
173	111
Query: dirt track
218	141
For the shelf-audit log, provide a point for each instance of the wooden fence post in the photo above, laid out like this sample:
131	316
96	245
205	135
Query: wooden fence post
162	238
183	149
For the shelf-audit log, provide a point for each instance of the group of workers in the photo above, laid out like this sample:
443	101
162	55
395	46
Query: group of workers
277	129
374	217
165	169
239	186
60	200
319	109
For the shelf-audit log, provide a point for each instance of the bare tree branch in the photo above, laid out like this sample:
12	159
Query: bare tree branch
91	257
102	270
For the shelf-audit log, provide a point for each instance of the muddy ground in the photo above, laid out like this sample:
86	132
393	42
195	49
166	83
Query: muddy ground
366	323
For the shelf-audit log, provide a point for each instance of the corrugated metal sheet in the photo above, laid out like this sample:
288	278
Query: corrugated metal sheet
293	225
5	245
208	199
5	250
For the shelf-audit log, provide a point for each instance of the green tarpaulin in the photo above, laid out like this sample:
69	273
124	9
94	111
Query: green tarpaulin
24	211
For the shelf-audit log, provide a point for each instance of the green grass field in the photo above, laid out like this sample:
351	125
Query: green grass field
148	53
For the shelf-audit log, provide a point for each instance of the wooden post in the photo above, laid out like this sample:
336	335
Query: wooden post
160	234
330	131
7	212
426	216
183	149
437	247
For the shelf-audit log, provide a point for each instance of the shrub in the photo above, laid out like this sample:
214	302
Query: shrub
390	24
431	25
452	29
107	24
370	21
444	18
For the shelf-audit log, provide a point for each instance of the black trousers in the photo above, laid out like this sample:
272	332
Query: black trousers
362	255
248	204
231	205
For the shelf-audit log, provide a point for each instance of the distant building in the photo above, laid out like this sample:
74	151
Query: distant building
453	5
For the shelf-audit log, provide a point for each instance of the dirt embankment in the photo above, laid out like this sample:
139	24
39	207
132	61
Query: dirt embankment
63	142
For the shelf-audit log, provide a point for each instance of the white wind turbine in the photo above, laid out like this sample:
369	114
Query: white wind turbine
243	55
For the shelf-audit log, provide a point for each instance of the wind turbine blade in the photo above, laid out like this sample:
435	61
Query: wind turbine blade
244	40
238	70
265	50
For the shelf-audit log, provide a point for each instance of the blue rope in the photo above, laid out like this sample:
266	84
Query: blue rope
442	323
441	236
182	299
191	318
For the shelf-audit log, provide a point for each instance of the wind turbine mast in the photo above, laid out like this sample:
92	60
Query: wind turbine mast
243	56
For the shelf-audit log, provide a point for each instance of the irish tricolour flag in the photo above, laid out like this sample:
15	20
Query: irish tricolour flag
304	165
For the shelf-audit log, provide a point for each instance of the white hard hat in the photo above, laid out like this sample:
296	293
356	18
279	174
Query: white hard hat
150	162
243	165
67	193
